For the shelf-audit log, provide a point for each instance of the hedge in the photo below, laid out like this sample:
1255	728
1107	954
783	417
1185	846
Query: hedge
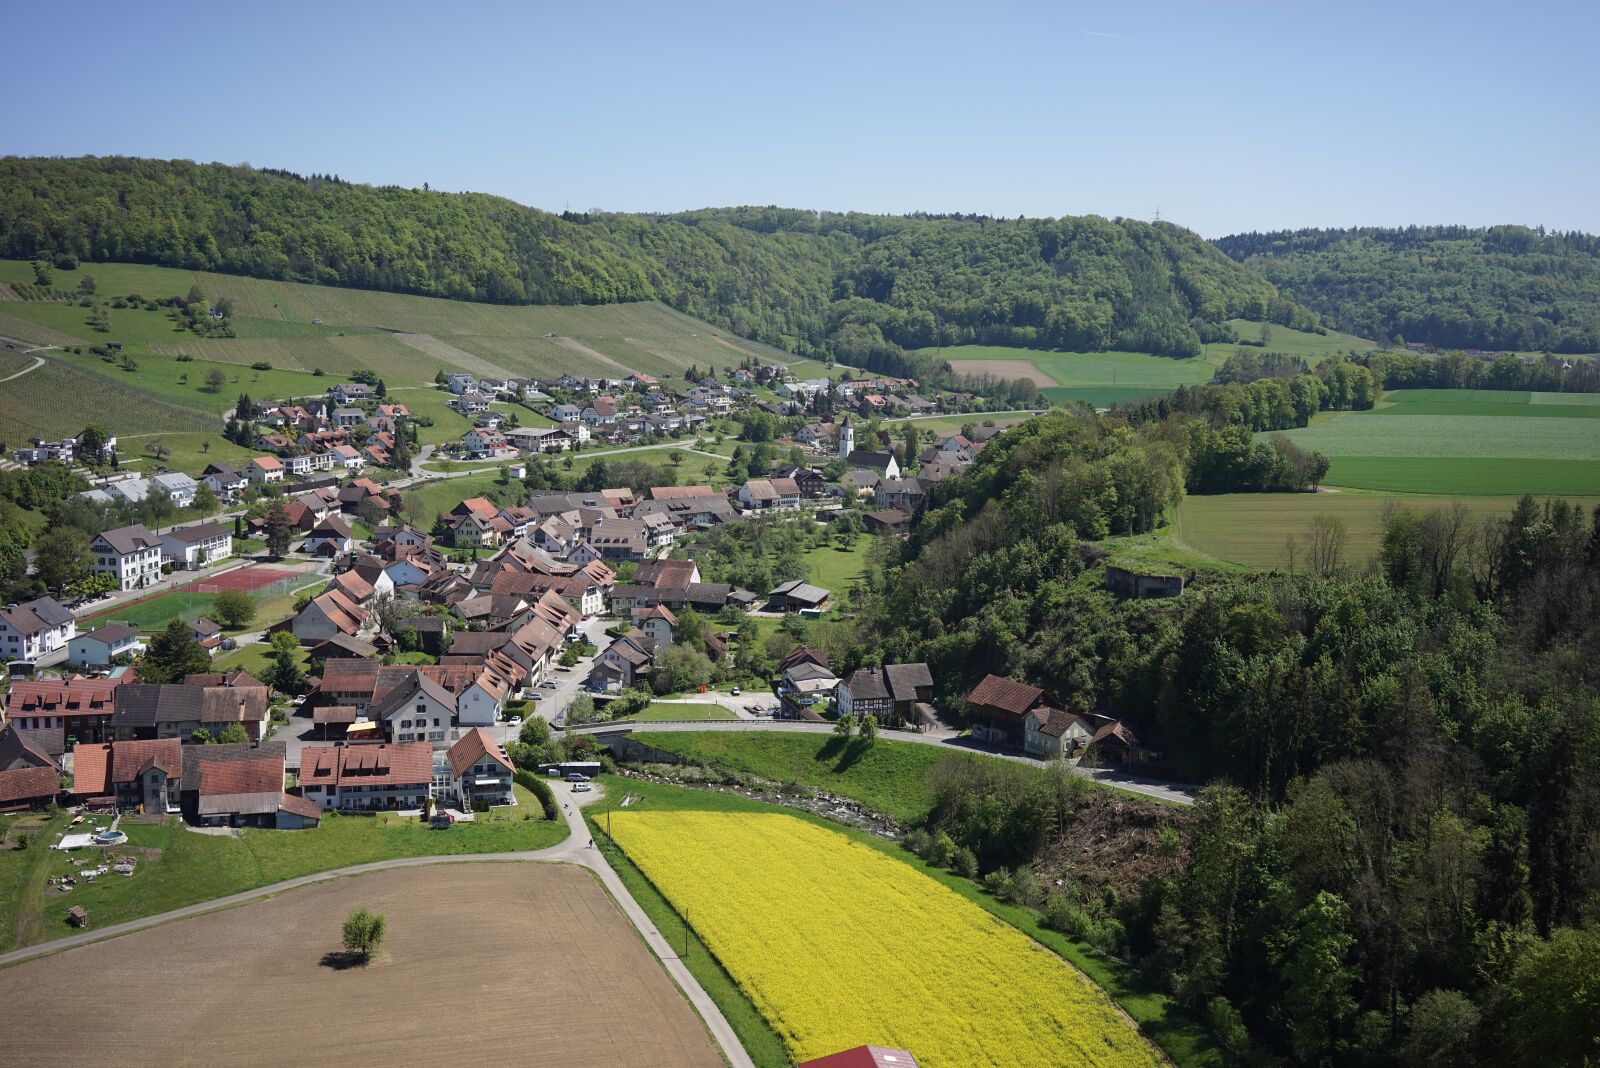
540	789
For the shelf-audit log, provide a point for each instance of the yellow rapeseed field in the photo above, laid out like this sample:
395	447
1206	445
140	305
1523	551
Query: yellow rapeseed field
839	945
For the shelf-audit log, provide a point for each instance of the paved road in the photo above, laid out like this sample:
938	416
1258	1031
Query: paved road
1175	793
577	849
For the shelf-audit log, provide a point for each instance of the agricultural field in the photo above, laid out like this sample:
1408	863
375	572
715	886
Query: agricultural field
1095	378
494	948
954	984
1467	442
436	498
177	867
1252	528
1313	347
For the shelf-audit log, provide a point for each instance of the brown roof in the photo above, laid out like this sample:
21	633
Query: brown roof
333	714
299	806
668	493
260	774
96	769
62	697
25	784
1054	721
473	747
367	765
1005	695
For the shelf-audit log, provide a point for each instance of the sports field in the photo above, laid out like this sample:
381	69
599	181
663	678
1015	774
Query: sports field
193	599
1464	442
529	964
1252	528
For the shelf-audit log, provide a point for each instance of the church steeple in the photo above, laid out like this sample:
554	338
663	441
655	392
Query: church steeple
847	438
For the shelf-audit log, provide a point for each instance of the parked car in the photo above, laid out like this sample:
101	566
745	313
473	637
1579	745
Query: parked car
536	696
549	684
734	691
515	721
577	776
581	788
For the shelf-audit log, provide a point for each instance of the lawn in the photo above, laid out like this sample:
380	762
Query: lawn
1098	378
1251	528
444	494
254	658
1179	1036
687	710
181	868
1487	454
1314	347
1489	402
887	776
837	570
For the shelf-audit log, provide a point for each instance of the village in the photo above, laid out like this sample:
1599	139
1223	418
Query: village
422	655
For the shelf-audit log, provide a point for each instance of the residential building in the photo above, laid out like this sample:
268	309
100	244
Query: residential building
36	628
417	709
178	487
462	383
262	470
225	480
623	663
178	710
98	648
130	555
474	773
136	774
349	393
194	547
328	614
998	707
57	714
1054	734
367	777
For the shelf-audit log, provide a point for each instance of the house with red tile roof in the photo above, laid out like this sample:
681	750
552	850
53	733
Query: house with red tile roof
365	777
474	772
28	777
997	707
233	785
49	712
145	774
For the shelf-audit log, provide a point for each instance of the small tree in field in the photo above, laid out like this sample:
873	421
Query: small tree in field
869	728
844	725
363	933
234	608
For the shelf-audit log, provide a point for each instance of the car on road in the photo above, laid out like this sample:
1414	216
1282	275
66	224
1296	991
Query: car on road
734	691
550	684
581	788
536	696
514	721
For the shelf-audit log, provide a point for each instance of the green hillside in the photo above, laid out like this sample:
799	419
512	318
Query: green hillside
860	286
1504	287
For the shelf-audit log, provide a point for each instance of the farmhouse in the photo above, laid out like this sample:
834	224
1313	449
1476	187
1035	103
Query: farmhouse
28	776
56	714
144	774
1053	734
233	785
998	706
798	596
178	710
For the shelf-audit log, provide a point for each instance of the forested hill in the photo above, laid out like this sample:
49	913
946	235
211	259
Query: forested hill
1505	287
861	286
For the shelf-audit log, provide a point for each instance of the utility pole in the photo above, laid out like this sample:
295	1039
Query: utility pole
686	933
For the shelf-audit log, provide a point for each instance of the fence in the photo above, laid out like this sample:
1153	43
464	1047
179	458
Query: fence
190	602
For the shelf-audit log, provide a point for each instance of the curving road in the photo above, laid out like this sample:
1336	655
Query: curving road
1172	793
577	849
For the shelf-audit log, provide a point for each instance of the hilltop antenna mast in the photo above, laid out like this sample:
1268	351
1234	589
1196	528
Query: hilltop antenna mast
1158	213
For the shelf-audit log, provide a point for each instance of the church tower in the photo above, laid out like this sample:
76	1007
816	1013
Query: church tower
847	439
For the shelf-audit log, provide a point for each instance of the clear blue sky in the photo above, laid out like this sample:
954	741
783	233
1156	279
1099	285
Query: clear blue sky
1226	116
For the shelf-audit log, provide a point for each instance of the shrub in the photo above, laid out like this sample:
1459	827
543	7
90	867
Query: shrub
540	789
966	862
261	365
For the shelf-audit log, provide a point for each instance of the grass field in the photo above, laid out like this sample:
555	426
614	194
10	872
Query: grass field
441	496
179	867
1313	347
888	776
1408	447
548	961
1251	528
689	710
1489	402
1097	378
837	570
255	657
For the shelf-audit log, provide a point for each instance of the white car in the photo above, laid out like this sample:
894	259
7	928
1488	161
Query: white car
514	721
581	788
734	691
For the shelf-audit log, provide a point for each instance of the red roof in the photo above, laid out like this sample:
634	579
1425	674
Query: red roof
1005	695
258	775
62	697
864	1057
404	763
473	747
25	784
97	769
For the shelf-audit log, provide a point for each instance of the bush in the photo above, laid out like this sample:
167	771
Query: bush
261	365
966	862
234	608
540	789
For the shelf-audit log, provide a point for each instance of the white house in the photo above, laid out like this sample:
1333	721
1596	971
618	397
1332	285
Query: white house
225	480
95	648
486	443
178	487
417	710
462	383
1051	733
473	771
29	631
131	555
194	547
479	705
264	469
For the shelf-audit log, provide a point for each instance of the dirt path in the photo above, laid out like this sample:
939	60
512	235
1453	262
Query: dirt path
7	293
38	362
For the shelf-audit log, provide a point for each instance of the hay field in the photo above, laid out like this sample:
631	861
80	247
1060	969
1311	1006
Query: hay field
511	963
1016	370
